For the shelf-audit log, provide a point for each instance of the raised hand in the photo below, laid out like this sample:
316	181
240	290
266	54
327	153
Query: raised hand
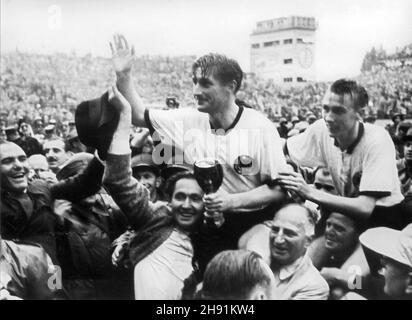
139	138
122	54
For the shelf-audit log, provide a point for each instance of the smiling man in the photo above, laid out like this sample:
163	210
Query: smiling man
27	208
296	278
359	156
164	244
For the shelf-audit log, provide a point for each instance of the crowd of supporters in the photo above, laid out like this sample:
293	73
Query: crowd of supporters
83	221
50	86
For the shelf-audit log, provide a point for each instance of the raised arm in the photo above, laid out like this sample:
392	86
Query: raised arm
128	194
123	59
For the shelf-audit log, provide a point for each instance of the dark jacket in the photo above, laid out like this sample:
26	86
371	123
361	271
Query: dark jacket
152	226
30	216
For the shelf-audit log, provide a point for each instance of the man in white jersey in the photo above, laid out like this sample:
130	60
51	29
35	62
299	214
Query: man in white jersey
360	158
245	142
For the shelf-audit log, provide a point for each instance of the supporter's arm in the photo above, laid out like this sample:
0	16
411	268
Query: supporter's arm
129	195
258	197
123	58
360	207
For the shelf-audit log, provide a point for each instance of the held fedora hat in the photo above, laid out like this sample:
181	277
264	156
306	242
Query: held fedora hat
96	120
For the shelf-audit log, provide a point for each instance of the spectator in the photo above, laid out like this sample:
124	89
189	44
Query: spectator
237	275
57	153
148	174
296	278
405	166
337	252
395	248
73	142
92	222
283	128
27	207
27	142
39	169
12	134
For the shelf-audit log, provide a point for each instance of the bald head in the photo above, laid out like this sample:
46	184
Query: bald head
14	168
38	163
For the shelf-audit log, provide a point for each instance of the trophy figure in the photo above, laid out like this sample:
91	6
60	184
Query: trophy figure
209	175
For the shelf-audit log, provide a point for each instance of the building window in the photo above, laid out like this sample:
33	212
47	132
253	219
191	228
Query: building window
287	41
255	46
299	40
287	61
287	79
300	79
271	43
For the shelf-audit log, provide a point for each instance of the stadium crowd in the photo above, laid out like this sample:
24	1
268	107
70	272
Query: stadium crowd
102	198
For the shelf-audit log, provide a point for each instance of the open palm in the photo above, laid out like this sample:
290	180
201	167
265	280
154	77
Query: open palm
122	54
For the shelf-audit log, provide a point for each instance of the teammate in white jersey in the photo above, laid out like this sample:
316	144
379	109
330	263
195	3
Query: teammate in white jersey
360	157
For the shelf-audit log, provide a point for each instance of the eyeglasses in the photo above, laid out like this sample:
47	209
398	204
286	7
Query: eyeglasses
327	187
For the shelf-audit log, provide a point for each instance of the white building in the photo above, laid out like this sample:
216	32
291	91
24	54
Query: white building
283	49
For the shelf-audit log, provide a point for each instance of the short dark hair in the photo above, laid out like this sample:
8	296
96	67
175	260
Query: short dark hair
221	67
170	183
232	274
357	92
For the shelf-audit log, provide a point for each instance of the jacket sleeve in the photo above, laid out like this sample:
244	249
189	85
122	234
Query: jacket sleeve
131	196
82	185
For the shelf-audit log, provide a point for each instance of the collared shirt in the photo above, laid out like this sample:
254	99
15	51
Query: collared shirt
368	167
250	152
161	274
300	281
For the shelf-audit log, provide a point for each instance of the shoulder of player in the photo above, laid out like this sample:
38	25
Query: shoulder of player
376	135
256	119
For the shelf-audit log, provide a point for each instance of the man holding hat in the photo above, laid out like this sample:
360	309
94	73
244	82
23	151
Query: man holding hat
395	249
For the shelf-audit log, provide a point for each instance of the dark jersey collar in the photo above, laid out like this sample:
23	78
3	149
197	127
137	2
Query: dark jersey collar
239	114
361	131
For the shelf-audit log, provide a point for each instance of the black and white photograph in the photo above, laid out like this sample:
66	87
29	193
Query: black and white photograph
206	151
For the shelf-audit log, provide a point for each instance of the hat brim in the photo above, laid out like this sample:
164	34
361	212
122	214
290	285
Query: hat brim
386	242
96	120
